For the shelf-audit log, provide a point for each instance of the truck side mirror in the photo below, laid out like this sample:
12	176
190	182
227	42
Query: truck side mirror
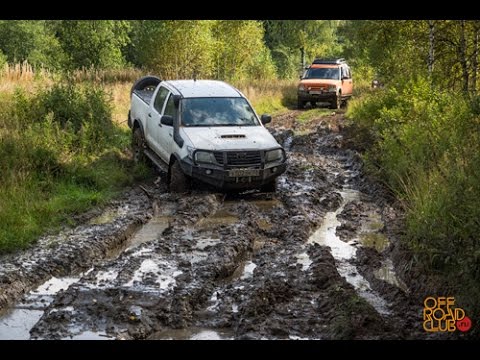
265	118
166	120
176	100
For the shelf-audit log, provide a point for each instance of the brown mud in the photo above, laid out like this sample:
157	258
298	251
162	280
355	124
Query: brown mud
312	261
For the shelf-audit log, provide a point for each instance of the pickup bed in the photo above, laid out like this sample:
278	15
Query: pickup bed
205	130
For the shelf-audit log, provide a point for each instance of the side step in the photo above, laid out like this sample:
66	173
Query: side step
156	160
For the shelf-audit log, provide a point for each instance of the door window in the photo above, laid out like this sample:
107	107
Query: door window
160	99
170	107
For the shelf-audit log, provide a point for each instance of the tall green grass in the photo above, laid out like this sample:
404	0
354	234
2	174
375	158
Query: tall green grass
425	147
269	96
60	154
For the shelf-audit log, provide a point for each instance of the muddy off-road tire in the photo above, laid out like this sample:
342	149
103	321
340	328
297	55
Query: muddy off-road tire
138	146
179	182
301	104
336	102
270	187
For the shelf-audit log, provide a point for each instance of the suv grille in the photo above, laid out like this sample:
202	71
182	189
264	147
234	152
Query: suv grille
240	158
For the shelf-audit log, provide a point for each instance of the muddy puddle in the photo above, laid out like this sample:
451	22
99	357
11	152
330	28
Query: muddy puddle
109	215
223	217
15	323
205	266
193	334
149	232
344	253
387	273
89	335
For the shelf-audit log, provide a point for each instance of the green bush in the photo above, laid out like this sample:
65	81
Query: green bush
425	148
60	153
3	61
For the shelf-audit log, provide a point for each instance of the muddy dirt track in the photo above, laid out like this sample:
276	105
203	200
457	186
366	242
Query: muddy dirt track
312	261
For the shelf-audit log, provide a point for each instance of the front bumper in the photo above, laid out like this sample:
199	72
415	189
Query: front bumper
324	96
221	178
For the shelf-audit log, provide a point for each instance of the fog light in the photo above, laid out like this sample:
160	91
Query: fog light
274	169
208	172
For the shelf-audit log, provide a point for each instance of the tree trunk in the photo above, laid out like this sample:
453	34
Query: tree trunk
302	50
431	50
475	59
463	56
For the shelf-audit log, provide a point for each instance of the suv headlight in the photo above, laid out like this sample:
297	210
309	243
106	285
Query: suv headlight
274	155
190	151
301	87
205	157
332	88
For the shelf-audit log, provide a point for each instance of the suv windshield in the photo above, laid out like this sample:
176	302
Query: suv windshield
219	111
323	73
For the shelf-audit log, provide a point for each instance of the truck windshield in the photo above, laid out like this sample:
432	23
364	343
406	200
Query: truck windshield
323	73
221	111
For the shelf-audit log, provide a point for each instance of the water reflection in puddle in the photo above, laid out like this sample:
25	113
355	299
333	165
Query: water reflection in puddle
193	334
387	273
152	230
344	252
16	323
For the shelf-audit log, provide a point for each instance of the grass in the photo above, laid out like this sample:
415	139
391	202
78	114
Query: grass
312	114
424	147
270	96
62	151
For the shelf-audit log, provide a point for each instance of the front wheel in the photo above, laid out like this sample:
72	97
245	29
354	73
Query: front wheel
269	187
138	146
179	182
336	102
300	104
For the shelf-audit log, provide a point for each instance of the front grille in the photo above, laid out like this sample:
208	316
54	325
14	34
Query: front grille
218	157
240	158
244	158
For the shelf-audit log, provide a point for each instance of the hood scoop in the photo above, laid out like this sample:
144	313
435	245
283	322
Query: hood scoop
233	136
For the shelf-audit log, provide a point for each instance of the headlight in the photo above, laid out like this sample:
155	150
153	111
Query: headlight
205	157
332	88
274	155
190	151
301	87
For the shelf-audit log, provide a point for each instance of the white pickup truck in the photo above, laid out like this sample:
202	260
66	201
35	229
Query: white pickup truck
205	130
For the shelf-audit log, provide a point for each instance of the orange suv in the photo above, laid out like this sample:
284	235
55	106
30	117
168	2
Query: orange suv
325	81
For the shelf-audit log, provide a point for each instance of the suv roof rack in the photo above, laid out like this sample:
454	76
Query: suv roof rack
329	61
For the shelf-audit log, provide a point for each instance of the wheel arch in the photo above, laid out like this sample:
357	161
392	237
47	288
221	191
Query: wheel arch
138	124
173	158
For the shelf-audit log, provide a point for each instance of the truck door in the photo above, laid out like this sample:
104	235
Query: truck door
165	132
153	120
347	83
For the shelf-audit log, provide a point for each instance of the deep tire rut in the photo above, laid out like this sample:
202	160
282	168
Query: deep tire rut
206	265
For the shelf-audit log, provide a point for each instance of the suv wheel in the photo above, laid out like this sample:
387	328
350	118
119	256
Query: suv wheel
301	104
179	182
269	187
138	145
336	102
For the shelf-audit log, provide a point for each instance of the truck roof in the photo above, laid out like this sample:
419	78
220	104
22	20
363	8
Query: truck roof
203	88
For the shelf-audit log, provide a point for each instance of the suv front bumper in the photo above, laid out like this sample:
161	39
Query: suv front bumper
325	96
223	179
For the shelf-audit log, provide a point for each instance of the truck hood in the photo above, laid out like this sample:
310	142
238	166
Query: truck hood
230	138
